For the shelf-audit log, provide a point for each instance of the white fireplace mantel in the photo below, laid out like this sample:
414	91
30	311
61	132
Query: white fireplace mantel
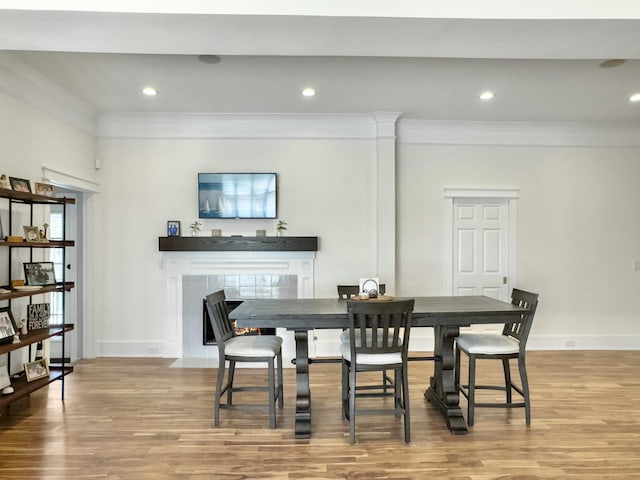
178	264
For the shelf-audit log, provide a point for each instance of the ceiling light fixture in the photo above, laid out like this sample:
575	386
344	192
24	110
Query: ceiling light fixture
614	62
487	95
150	91
635	98
211	59
309	92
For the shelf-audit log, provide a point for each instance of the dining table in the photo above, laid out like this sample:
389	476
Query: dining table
445	314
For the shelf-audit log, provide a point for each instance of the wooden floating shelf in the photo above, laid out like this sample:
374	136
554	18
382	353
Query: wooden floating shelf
48	244
243	244
34	198
60	287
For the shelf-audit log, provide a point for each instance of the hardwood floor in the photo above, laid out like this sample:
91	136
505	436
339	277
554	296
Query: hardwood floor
140	419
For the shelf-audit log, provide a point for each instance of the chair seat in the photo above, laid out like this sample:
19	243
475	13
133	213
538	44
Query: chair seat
371	358
487	344
253	346
344	337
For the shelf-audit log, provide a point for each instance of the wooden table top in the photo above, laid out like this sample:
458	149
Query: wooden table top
308	313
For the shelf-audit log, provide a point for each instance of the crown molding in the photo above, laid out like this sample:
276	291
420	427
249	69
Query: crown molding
542	134
232	125
25	83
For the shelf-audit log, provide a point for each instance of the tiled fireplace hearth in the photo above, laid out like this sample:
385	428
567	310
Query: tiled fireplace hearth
189	276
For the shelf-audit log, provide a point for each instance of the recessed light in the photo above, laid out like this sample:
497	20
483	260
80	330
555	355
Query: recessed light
635	98
487	95
309	92
614	62
149	91
211	59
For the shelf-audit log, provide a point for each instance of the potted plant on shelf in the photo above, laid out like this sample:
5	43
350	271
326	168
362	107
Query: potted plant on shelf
281	227
195	228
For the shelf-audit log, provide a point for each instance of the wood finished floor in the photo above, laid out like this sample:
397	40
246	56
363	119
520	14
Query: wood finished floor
140	419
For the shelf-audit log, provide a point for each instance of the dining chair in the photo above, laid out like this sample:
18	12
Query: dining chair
378	340
345	292
510	344
234	348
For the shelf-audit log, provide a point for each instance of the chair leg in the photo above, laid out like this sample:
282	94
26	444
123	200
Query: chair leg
384	381
405	402
525	388
219	380
507	379
352	404
232	371
272	394
280	382
456	369
345	391
471	397
398	386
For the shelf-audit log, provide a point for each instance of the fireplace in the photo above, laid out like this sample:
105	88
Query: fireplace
191	276
209	338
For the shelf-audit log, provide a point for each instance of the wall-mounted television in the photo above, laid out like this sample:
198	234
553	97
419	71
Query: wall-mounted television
237	195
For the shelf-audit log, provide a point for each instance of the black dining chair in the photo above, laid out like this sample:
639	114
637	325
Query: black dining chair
378	341
511	344
234	348
345	292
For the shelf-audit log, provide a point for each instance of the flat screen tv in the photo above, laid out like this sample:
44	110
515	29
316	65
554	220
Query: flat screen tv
237	195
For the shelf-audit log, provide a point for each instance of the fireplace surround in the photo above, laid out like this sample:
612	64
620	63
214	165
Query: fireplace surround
245	274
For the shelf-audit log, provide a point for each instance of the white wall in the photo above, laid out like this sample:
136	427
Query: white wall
29	140
577	226
578	232
324	186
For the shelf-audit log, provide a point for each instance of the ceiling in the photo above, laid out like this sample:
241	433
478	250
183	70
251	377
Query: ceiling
426	68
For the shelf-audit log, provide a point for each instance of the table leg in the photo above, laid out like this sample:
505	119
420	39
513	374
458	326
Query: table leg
303	392
442	392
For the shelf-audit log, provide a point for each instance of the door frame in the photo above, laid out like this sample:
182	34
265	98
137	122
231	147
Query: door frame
511	195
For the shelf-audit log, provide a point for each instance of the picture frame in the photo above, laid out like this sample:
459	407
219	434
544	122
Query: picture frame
44	189
20	184
5	379
31	234
36	369
261	233
4	182
7	325
173	228
39	273
38	315
216	232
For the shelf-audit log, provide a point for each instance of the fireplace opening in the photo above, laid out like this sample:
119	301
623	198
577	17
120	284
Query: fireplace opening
209	338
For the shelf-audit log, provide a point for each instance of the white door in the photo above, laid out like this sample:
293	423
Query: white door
481	249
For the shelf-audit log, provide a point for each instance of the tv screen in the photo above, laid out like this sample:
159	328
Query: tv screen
237	195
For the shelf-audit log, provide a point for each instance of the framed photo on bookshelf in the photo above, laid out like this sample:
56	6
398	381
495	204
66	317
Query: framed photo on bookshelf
38	316
5	380
45	189
36	370
7	325
20	184
39	273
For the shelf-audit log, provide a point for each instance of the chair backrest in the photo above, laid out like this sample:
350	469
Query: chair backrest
520	330
382	327
219	317
345	291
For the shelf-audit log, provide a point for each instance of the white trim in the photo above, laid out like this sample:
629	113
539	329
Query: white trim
29	85
511	195
532	134
67	180
232	125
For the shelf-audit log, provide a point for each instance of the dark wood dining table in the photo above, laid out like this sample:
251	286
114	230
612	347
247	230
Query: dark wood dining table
445	314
